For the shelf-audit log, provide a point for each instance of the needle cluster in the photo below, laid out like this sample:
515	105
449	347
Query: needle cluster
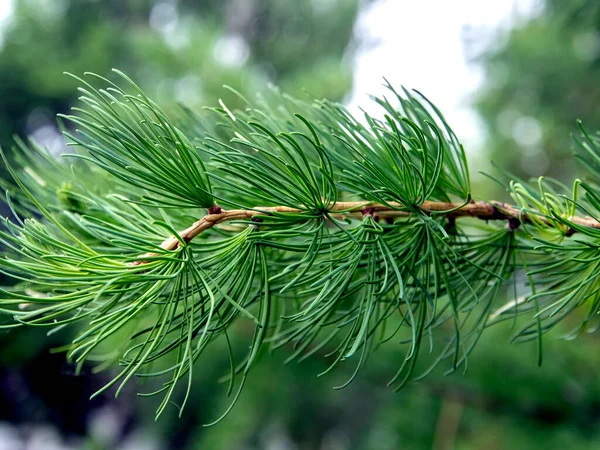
290	224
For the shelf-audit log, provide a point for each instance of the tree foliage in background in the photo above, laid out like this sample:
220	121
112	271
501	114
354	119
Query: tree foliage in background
182	51
539	79
320	234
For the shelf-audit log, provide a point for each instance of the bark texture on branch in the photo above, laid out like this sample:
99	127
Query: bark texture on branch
482	210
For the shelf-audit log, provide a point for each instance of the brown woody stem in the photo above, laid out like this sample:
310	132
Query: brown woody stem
482	210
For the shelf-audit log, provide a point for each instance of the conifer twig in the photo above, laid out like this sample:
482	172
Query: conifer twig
483	210
301	282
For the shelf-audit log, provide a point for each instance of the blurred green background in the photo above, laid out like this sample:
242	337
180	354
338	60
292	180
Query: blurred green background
539	76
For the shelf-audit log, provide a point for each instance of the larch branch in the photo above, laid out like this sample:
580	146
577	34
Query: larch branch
482	210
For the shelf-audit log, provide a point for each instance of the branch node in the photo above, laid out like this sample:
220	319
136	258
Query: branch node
513	223
367	211
214	209
497	214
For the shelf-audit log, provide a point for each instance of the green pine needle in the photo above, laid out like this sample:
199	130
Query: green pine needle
92	240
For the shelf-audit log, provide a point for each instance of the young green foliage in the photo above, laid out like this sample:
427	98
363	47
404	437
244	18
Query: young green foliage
345	238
